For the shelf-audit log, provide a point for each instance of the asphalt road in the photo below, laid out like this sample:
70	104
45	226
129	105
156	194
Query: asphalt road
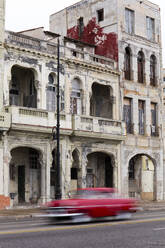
145	230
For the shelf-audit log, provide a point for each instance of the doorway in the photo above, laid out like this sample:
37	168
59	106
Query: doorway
21	183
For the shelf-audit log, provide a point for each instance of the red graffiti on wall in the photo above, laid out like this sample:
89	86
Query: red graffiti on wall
106	44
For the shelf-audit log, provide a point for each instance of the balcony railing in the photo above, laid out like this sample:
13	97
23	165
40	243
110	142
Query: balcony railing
98	125
30	42
37	117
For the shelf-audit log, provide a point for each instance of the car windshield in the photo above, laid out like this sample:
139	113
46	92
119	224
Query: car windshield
90	194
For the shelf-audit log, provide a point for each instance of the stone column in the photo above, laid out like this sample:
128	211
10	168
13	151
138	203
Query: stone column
134	63
88	97
115	172
124	171
147	71
1	169
38	88
148	117
43	181
6	162
83	166
47	171
158	177
135	115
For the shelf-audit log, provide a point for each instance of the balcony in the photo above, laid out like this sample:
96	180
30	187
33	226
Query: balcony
5	121
98	127
36	119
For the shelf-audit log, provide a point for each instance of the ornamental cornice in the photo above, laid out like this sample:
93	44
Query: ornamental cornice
91	66
68	61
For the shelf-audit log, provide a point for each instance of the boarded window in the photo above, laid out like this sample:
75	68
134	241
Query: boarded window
141	105
140	62
129	21
150	28
153	70
127	114
127	64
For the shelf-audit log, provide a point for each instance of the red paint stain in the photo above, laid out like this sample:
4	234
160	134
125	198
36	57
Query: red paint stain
106	44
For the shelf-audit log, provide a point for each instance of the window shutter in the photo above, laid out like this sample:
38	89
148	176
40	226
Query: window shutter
127	20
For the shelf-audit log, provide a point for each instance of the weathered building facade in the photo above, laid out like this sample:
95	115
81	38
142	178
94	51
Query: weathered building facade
110	103
130	34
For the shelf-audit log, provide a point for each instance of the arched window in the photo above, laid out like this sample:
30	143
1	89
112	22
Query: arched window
75	98
127	62
153	70
51	93
140	61
101	102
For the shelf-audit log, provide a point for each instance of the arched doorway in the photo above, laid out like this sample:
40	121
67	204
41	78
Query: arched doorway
22	90
25	175
99	170
141	173
75	171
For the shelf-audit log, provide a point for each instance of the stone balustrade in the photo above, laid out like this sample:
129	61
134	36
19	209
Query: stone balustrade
37	117
42	118
98	125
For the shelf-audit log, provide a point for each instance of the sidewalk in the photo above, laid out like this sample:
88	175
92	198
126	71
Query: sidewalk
19	212
153	205
28	212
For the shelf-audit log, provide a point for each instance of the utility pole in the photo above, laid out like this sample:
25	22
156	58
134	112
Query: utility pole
58	177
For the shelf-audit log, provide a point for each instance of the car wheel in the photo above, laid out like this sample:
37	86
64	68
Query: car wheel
123	216
81	218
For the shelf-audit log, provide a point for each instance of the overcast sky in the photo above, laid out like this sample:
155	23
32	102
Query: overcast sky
27	14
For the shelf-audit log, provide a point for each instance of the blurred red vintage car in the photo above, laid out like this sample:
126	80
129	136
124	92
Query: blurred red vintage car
90	204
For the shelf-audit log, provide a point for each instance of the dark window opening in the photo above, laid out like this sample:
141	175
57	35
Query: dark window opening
80	26
153	70
73	173
127	115
131	170
33	159
101	102
51	79
127	64
140	61
74	53
100	15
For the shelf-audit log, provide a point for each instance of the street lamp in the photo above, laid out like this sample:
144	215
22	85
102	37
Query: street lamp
56	134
